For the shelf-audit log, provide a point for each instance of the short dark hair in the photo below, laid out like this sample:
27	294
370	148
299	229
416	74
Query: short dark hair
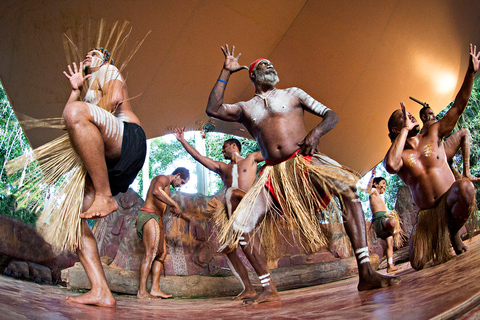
377	180
392	123
234	141
423	111
184	173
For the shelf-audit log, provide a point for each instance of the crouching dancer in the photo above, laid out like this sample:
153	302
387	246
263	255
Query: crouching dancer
420	160
296	181
107	137
151	230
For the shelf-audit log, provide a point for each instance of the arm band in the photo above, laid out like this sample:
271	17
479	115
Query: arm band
222	81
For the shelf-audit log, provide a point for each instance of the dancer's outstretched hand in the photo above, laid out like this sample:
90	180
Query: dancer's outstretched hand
231	62
76	76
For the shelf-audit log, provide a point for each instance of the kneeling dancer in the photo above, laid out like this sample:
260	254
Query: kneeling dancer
420	160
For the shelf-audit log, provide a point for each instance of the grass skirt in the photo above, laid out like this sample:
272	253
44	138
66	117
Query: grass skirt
431	237
300	188
398	234
55	188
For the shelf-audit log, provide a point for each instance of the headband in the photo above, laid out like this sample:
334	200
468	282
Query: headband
106	54
254	65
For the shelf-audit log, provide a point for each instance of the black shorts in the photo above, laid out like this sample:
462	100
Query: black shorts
134	150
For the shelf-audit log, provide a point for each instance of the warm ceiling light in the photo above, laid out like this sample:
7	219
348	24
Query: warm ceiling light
445	83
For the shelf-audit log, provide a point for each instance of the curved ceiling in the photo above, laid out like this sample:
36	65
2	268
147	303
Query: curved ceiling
360	58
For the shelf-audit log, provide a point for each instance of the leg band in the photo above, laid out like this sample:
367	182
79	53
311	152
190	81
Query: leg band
390	261
265	279
362	255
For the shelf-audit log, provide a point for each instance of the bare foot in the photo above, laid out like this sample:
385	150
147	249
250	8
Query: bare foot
160	294
458	244
266	295
98	298
373	280
246	294
101	207
393	269
146	296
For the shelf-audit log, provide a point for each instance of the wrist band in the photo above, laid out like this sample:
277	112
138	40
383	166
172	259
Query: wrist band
222	81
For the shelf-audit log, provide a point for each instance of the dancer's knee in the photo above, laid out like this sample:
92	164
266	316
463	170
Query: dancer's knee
74	112
466	190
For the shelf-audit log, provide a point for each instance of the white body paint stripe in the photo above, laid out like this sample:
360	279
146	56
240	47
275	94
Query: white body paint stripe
235	273
235	176
113	126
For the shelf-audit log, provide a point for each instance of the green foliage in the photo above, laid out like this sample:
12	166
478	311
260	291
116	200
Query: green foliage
13	143
390	195
471	121
164	151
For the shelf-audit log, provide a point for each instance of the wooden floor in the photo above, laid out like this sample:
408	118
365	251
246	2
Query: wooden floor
450	290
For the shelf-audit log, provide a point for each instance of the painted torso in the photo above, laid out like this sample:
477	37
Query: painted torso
425	169
275	120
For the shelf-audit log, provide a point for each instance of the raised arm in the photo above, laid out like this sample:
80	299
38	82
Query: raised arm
393	159
370	182
208	163
76	79
448	122
257	156
215	107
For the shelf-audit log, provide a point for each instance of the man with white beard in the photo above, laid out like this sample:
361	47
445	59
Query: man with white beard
296	183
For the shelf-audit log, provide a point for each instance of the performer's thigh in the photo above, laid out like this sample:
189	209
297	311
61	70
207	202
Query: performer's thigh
109	126
462	193
150	237
233	196
250	216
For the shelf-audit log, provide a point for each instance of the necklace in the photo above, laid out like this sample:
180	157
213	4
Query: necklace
264	97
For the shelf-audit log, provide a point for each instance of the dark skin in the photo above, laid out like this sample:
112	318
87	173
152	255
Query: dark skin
247	169
158	198
421	162
279	130
458	140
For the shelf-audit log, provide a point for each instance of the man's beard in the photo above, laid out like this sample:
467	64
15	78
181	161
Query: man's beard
267	77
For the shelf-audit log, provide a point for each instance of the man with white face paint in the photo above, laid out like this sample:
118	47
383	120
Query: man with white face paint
461	139
238	176
107	136
296	183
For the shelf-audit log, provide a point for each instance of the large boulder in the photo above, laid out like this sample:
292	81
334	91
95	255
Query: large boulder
21	242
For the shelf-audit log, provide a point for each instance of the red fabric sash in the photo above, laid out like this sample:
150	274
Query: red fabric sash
148	210
325	198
